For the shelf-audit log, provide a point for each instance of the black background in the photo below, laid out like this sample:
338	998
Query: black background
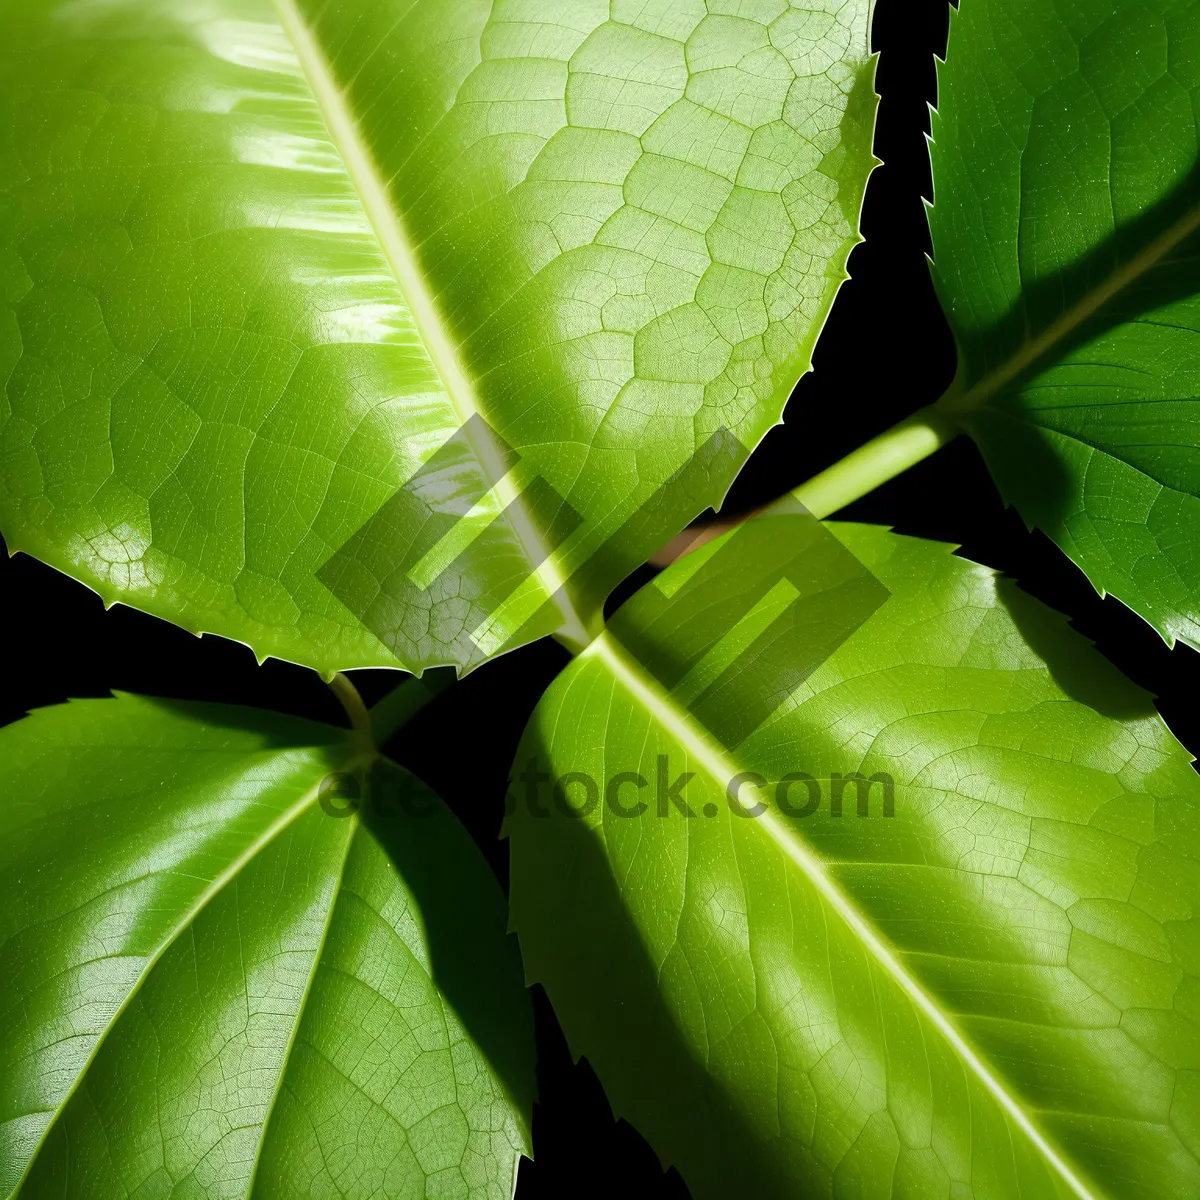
885	352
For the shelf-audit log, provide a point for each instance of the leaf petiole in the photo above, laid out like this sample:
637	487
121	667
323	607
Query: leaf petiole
356	710
875	462
403	703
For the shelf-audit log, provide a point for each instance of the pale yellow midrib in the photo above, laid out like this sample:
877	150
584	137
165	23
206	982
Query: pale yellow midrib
721	769
1031	351
334	897
395	243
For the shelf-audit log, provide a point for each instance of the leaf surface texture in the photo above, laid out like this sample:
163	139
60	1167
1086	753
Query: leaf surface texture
259	263
212	988
1066	234
990	993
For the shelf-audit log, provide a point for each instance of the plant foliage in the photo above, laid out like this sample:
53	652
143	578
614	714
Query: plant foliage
398	334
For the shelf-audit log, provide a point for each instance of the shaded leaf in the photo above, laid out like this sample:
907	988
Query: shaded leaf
1066	234
213	988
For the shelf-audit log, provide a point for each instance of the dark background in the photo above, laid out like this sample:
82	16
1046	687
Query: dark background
885	352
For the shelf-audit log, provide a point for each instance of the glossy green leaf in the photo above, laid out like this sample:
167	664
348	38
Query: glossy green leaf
259	261
1066	234
994	991
213	988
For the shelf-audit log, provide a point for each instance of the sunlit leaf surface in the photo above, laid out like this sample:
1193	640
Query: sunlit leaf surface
259	262
966	967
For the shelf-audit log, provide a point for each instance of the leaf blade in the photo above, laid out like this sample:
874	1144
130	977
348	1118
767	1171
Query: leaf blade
1075	326
193	1073
944	998
246	383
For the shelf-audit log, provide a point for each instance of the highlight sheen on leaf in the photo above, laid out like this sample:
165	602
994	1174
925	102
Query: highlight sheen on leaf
930	928
259	262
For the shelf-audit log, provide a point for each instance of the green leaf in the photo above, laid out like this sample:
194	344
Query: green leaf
259	262
992	991
1066	235
212	988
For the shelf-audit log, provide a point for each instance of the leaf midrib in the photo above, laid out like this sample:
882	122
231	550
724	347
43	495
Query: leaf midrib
397	247
334	896
1037	348
715	762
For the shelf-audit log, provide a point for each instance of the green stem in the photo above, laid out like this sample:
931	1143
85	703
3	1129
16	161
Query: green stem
403	703
372	727
875	462
356	710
